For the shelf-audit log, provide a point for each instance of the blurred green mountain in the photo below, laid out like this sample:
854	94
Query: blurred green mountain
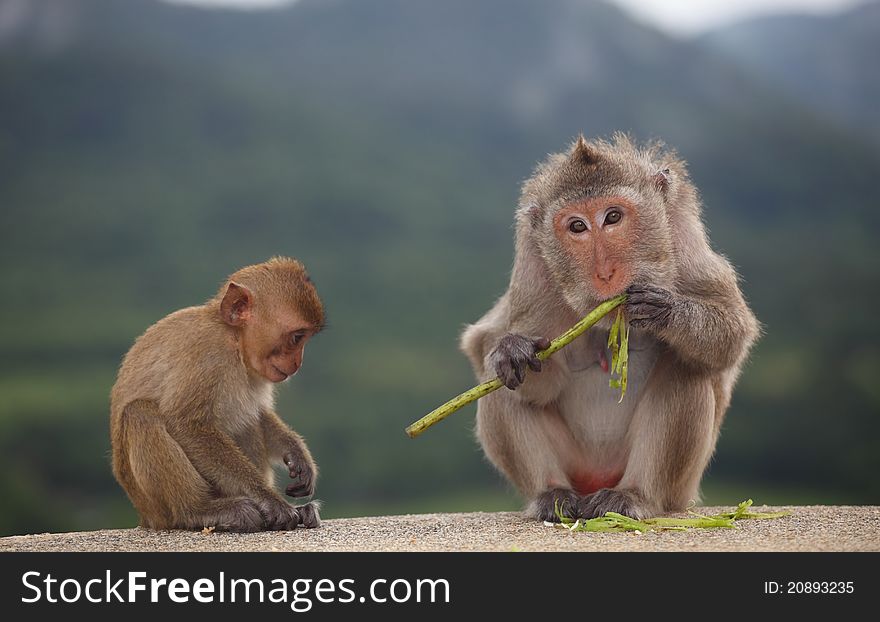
147	150
827	62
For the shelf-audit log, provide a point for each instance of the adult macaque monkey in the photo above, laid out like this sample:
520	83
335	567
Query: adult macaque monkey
192	423
603	219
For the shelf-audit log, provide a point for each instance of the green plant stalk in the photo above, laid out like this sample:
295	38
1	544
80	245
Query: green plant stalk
482	390
612	521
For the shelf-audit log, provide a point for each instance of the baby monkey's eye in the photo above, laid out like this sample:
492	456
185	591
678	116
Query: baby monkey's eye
613	217
295	338
577	226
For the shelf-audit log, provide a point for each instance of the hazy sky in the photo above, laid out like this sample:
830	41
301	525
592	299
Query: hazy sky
676	16
694	16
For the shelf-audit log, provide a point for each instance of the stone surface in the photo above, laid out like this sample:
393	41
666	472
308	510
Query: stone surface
811	528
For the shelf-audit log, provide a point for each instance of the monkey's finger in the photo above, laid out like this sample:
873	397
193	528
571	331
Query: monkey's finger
519	370
286	520
643	289
500	368
643	310
504	370
637	298
276	523
297	491
534	363
653	300
648	295
294	521
542	343
304	489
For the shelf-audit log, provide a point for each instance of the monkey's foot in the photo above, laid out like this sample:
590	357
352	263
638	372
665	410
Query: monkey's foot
627	502
543	507
237	515
308	515
278	515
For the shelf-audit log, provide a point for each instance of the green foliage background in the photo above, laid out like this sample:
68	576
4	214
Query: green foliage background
147	150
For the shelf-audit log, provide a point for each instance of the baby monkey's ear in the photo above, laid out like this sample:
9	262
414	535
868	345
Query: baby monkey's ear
237	304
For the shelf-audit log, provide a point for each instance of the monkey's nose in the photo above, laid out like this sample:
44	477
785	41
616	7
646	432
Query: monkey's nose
606	274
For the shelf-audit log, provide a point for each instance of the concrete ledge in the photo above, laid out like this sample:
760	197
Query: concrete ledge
811	528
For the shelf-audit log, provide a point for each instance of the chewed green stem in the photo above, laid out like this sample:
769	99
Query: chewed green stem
482	390
612	521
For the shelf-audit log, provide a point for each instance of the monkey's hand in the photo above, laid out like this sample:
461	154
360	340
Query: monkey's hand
302	473
649	307
513	353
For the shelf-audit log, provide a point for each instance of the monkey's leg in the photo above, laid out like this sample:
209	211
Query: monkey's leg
530	445
164	486
672	437
222	463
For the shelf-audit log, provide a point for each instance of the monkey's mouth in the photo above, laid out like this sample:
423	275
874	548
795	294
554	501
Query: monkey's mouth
284	376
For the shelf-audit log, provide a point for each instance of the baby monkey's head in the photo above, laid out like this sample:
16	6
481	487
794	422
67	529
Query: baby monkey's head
274	309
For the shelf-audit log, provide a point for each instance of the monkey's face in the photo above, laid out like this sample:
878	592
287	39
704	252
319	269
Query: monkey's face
595	236
600	216
598	246
273	348
274	310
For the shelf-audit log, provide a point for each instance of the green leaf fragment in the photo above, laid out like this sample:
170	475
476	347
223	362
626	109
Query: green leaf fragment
742	512
618	341
615	327
614	522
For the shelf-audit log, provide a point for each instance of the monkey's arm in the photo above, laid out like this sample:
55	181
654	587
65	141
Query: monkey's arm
708	324
287	446
219	460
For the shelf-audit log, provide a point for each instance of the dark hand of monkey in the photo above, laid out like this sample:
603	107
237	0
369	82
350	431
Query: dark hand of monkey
511	356
302	474
649	307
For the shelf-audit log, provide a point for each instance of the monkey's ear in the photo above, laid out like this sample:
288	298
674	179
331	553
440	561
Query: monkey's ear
235	308
582	153
534	214
661	180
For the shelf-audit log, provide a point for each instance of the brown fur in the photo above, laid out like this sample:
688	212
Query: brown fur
691	332
192	424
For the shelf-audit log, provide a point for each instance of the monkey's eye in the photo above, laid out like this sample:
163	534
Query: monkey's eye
295	338
577	226
613	217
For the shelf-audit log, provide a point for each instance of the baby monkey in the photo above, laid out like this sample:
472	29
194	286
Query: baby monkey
192	422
